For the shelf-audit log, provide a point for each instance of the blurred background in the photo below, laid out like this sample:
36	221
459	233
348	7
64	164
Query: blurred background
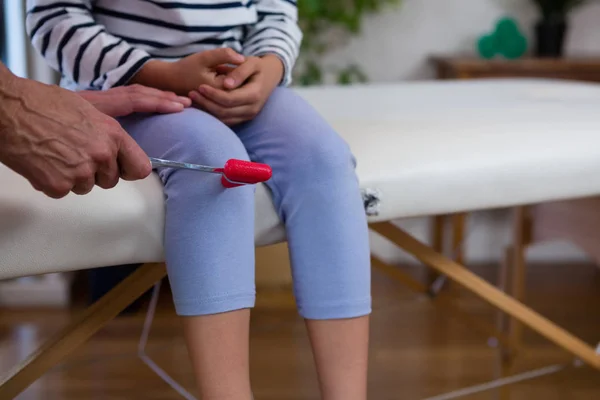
388	40
419	350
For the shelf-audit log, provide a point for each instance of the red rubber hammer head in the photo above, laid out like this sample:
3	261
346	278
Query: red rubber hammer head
240	172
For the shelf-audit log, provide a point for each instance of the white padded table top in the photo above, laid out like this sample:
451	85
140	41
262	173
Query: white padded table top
425	148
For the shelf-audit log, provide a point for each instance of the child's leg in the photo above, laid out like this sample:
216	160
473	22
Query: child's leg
316	192
209	245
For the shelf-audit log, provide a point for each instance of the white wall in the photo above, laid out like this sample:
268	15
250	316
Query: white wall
396	45
16	40
487	235
23	60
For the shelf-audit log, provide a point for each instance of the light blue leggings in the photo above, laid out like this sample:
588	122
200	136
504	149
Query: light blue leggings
209	237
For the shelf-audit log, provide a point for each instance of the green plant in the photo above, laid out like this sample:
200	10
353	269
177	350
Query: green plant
557	9
319	21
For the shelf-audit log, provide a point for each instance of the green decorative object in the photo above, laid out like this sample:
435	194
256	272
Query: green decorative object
487	46
506	41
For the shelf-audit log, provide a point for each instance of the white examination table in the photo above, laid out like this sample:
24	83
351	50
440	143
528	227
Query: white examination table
425	148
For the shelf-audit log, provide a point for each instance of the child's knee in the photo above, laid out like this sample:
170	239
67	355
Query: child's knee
321	158
312	147
189	136
204	140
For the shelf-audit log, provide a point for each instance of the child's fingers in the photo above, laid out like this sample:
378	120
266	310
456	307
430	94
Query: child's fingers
234	121
222	113
246	95
224	69
241	74
210	106
220	56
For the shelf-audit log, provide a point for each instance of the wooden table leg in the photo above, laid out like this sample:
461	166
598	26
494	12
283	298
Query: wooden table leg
459	222
504	352
490	293
438	239
442	301
521	235
438	223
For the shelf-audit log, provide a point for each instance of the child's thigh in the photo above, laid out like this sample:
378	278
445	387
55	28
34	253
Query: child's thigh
189	136
294	138
287	118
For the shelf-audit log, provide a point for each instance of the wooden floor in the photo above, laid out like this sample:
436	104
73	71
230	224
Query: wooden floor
418	349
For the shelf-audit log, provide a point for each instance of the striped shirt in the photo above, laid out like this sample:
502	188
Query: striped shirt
99	44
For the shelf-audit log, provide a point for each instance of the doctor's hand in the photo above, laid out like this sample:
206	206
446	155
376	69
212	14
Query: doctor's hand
246	90
62	143
125	100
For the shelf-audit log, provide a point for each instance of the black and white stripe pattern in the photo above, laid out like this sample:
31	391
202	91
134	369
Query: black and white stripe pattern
99	44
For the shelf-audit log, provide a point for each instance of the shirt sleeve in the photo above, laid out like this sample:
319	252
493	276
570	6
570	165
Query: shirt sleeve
66	34
276	32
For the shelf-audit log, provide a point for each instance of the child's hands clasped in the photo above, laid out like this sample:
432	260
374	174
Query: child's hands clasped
246	90
188	73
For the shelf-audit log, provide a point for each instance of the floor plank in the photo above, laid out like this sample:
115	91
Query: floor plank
418	349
